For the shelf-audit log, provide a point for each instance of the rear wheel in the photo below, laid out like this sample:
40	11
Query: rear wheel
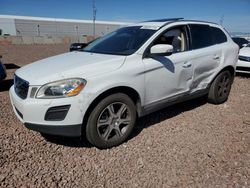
220	88
111	121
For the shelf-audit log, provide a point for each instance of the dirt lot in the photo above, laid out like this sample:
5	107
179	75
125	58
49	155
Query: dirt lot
192	144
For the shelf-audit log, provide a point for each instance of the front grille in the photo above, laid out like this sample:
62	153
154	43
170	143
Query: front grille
244	58
21	87
247	69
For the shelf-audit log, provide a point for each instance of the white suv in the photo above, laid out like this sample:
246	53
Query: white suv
99	92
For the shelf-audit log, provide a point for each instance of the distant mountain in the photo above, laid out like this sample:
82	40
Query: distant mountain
243	34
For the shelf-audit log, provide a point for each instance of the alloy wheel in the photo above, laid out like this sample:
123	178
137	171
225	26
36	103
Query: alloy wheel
224	86
113	121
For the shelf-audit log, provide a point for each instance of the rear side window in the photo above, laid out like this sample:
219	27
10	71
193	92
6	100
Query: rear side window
201	36
218	35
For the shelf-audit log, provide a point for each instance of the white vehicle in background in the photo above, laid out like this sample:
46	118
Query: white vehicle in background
243	64
98	93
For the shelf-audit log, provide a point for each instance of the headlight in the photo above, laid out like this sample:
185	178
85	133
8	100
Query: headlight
62	88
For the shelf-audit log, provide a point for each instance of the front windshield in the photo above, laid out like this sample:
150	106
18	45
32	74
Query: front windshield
124	41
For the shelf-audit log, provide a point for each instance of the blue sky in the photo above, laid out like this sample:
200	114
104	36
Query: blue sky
235	13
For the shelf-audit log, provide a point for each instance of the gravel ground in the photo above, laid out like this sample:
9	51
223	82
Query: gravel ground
192	144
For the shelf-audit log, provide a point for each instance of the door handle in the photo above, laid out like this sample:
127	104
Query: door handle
186	65
216	57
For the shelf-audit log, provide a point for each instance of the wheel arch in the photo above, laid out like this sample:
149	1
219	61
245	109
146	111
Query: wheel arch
132	93
230	68
213	96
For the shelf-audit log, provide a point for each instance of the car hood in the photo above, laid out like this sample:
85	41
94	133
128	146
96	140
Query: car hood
245	51
69	65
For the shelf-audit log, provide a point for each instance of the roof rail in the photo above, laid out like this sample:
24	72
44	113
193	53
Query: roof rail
164	20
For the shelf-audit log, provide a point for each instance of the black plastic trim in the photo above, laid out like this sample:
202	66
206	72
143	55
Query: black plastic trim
173	100
164	20
60	130
19	113
57	113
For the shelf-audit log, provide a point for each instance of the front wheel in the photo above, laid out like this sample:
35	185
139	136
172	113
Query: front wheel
111	121
220	88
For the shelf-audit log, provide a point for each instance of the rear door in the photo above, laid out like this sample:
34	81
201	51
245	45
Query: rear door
206	55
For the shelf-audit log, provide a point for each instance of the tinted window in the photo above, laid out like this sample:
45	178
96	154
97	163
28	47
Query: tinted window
124	41
201	36
218	35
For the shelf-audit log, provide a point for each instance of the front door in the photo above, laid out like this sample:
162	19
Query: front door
168	77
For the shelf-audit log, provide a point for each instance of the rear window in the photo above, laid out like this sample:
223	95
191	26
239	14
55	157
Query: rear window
218	35
201	36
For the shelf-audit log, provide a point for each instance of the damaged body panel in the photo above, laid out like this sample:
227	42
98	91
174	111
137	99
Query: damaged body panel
170	74
205	64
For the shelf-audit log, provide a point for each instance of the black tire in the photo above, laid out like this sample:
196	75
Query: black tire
220	88
111	121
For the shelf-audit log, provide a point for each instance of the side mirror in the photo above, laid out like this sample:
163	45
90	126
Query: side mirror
77	46
161	49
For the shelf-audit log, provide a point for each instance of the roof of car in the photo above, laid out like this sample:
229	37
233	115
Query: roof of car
158	23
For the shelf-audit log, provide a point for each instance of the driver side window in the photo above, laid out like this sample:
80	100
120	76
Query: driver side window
175	37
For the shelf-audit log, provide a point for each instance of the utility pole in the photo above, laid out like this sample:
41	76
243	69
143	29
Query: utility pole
38	30
94	17
221	20
77	34
56	28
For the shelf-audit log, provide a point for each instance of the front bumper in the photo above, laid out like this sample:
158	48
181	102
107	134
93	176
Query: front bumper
32	112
